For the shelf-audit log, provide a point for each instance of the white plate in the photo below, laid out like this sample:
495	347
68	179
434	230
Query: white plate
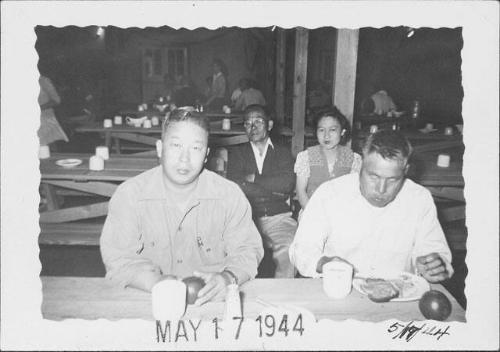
427	130
416	286
68	162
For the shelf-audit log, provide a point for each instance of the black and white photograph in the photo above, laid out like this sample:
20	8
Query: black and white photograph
249	175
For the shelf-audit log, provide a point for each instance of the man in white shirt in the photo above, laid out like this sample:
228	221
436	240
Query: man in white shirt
378	221
264	171
249	95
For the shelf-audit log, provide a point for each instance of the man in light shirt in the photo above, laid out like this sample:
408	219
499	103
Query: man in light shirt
264	171
378	221
249	95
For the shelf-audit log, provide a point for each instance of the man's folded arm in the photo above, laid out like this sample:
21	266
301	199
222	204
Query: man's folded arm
120	245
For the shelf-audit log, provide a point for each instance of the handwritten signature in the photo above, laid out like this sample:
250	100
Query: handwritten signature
410	330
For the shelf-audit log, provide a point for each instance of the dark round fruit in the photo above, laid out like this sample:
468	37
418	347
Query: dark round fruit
435	305
194	285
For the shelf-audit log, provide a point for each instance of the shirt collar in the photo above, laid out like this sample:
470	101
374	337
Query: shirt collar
269	143
155	189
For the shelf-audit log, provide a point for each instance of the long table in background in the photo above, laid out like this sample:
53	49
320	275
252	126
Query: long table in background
95	298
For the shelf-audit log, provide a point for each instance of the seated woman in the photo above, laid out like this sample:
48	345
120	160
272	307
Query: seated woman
329	159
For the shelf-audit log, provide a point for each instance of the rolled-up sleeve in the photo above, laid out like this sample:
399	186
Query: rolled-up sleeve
120	240
430	237
307	246
242	240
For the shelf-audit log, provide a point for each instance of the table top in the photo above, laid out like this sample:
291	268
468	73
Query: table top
117	168
94	298
150	113
215	129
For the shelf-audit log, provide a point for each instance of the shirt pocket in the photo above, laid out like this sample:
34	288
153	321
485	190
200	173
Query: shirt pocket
211	249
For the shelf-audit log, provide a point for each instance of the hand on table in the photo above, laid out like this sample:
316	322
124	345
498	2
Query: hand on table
432	268
250	178
214	289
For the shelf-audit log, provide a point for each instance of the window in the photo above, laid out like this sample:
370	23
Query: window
176	61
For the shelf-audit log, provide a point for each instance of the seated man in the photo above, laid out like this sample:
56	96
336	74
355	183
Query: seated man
379	103
249	96
178	218
378	221
265	173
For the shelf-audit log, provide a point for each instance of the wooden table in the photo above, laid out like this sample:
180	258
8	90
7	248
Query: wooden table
79	178
94	298
209	114
149	136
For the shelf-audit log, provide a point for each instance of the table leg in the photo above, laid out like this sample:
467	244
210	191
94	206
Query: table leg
107	139
117	145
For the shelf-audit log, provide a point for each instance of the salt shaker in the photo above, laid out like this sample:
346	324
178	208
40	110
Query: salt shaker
233	303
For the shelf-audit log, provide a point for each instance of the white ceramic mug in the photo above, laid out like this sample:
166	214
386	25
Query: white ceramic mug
443	160
108	123
168	298
96	163
44	152
226	124
373	128
118	120
102	151
147	124
448	131
337	279
155	121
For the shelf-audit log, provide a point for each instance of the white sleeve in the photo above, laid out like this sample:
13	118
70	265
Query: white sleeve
430	237
301	167
312	232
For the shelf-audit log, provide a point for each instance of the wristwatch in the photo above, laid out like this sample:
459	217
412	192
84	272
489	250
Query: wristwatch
233	279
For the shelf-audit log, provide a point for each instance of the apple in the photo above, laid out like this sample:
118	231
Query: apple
435	305
193	285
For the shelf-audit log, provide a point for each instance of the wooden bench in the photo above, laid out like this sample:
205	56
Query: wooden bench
74	234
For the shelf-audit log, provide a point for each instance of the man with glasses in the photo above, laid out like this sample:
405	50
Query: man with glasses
264	171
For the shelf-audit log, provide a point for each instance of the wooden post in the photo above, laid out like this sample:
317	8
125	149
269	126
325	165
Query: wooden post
299	90
344	79
280	75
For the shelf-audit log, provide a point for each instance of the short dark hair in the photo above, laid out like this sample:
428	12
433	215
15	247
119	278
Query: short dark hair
183	115
333	112
257	108
389	144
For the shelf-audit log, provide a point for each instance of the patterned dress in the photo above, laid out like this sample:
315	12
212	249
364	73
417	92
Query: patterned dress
312	163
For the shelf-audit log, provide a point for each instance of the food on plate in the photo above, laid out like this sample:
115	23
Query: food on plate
194	285
435	305
380	290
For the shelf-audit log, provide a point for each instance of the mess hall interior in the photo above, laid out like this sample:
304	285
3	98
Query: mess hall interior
117	86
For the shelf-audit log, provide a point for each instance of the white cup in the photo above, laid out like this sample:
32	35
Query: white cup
168	298
44	152
108	123
155	121
373	128
226	124
448	131
443	160
146	124
429	126
118	120
337	279
102	151
96	163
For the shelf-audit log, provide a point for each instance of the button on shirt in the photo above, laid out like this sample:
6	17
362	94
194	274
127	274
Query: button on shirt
339	221
146	231
259	159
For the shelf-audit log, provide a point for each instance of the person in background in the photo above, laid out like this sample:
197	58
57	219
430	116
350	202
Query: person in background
50	130
179	219
378	221
217	97
380	103
249	96
184	93
329	159
236	94
264	171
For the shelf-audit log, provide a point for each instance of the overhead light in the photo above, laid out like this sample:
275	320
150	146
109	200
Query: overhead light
410	33
100	31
